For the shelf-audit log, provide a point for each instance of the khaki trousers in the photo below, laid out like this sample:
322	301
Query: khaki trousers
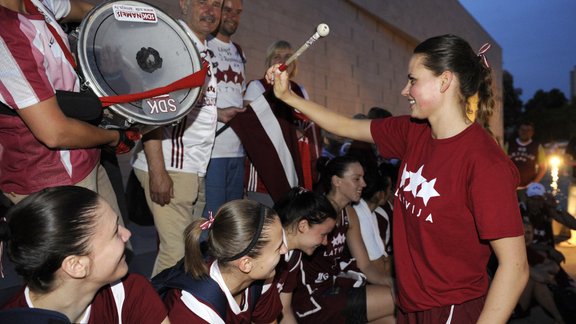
172	219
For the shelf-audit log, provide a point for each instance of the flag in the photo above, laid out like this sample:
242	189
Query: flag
267	130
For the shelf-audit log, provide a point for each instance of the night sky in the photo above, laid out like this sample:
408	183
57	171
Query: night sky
538	40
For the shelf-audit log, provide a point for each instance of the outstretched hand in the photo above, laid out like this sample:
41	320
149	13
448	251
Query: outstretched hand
280	81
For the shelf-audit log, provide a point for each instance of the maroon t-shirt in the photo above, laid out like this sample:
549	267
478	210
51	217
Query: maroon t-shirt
452	196
320	296
186	309
140	302
287	271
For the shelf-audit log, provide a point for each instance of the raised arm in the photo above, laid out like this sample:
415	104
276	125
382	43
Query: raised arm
509	280
322	116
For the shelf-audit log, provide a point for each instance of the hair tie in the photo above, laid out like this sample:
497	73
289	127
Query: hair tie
302	190
482	53
207	223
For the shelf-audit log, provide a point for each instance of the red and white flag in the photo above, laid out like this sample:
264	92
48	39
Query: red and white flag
267	129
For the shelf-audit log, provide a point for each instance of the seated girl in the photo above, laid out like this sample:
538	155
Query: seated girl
307	218
244	244
375	222
542	273
325	291
67	244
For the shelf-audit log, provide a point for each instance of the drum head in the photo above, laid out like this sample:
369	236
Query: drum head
127	47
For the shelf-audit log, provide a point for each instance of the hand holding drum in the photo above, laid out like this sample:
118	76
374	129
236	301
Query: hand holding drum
321	31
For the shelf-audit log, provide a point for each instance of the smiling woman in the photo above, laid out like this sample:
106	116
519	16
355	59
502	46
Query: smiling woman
229	279
68	246
308	219
456	199
330	286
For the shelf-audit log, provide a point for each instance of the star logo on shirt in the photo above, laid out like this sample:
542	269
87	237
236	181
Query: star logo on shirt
338	239
229	75
427	191
416	183
280	286
416	179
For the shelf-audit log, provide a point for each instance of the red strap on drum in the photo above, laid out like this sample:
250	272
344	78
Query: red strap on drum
32	9
192	81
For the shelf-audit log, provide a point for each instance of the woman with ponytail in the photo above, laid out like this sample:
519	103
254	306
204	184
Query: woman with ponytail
455	200
226	278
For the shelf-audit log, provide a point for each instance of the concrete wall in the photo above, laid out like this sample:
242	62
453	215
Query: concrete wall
363	62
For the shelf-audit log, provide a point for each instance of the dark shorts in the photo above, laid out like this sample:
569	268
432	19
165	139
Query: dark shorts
355	311
467	312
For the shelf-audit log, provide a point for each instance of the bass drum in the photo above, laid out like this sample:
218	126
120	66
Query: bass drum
126	47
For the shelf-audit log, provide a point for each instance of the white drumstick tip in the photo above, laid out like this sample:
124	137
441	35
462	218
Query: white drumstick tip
323	30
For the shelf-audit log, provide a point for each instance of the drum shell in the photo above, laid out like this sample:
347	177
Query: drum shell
118	57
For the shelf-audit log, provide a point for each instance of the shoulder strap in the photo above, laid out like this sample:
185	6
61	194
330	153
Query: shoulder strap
255	291
239	49
206	290
5	110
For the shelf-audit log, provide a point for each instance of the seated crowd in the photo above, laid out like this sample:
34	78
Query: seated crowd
309	245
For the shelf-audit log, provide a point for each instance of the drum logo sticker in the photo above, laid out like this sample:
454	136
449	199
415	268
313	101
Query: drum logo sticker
134	13
164	105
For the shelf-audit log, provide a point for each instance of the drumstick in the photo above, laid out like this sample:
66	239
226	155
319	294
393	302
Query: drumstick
321	31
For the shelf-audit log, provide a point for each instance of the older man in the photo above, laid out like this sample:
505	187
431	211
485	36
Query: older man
172	164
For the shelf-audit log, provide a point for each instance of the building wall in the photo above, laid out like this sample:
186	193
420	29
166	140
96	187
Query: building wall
363	61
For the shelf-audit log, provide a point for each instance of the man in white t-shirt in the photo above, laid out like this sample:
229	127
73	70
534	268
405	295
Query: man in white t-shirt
225	174
172	163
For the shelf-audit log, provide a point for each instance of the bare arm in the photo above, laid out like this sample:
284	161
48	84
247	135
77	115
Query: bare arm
160	183
166	321
374	270
51	127
322	116
509	281
287	312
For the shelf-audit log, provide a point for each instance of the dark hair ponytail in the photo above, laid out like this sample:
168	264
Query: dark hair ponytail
236	231
452	53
